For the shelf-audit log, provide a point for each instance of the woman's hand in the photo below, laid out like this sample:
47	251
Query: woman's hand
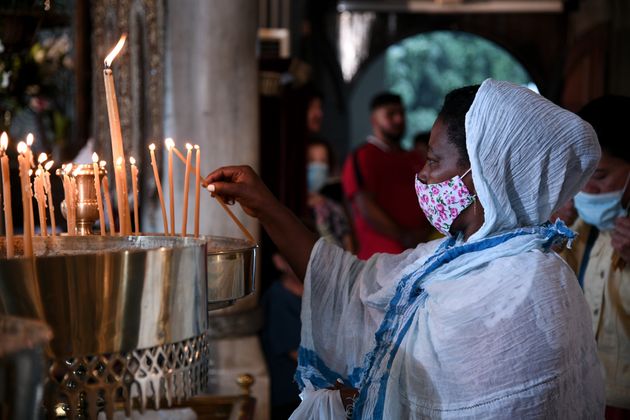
348	395
294	241
242	184
620	238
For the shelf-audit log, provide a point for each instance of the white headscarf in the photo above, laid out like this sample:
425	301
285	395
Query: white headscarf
528	156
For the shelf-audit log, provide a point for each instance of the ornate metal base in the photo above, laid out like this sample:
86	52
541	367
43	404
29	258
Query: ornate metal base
79	388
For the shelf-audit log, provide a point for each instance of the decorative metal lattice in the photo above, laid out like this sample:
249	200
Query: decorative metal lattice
81	387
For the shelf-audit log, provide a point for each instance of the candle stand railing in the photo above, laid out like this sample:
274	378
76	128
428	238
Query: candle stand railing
128	314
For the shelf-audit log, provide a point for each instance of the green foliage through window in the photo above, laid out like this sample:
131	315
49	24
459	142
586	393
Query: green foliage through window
424	68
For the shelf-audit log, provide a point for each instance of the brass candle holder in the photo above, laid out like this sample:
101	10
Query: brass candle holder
86	205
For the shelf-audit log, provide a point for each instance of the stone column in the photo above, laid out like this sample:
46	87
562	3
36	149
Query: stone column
211	99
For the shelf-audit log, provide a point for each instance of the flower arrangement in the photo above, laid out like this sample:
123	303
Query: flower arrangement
36	88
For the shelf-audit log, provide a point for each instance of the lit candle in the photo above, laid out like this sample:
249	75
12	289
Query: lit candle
48	191
134	187
158	185
118	152
6	190
26	199
170	145
97	186
30	139
39	185
40	196
197	188
186	187
108	206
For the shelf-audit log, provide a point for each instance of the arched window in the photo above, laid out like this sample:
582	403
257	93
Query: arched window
423	69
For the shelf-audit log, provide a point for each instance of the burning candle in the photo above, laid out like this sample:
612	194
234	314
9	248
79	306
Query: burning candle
108	206
186	187
26	198
40	196
197	188
6	190
158	185
118	152
30	139
134	187
48	191
170	145
97	186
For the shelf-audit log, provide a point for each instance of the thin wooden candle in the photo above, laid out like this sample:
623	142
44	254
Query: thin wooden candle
170	145
134	187
108	206
186	187
48	191
69	197
40	193
97	186
158	185
30	185
6	191
26	199
118	153
197	188
40	196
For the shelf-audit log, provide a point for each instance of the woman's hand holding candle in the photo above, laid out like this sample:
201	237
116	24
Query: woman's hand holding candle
242	184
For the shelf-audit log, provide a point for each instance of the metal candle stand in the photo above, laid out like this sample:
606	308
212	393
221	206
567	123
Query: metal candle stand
128	314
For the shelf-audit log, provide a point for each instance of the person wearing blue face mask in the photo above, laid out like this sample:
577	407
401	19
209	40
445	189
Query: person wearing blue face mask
328	216
601	253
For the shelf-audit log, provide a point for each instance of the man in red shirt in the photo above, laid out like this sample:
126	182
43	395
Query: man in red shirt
378	181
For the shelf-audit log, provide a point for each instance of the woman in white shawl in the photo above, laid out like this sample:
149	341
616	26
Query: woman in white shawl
486	323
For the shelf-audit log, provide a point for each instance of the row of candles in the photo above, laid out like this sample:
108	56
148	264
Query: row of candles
41	186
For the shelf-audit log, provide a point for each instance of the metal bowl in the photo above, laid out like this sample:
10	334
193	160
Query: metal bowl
104	294
231	270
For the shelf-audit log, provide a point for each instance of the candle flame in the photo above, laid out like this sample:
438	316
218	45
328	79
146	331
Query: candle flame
169	143
38	172
152	147
132	160
30	172
4	140
196	147
94	157
110	57
103	164
67	168
21	147
119	161
43	157
49	165
189	146
30	138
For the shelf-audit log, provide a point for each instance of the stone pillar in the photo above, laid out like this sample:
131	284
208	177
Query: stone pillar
211	99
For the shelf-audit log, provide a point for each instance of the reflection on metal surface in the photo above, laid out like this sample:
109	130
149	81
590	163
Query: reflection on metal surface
22	366
231	270
109	294
138	379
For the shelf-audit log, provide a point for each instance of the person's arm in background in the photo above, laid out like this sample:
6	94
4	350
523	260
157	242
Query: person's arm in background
294	241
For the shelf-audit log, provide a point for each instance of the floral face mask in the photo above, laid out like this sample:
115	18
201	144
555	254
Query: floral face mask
444	201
